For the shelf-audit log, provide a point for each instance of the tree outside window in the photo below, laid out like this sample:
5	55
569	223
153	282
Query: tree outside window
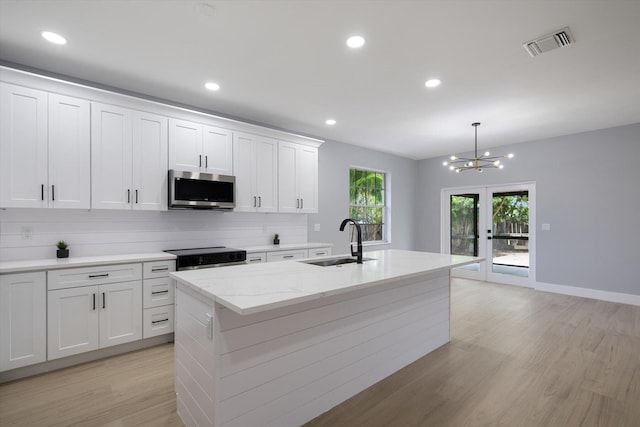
367	203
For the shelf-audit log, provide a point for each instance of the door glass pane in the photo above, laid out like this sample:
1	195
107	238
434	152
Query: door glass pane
510	233
464	226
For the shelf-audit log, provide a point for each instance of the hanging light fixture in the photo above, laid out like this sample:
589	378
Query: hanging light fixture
479	163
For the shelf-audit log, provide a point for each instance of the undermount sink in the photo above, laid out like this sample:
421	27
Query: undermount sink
335	261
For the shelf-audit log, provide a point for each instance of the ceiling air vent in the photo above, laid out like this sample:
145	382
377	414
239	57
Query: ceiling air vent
560	38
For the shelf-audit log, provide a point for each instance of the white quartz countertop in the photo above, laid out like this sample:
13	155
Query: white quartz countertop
71	262
260	287
288	247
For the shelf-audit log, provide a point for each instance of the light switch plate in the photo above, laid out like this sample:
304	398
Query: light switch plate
546	227
316	227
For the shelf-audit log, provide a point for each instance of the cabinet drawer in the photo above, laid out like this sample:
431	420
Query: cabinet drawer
86	276
319	252
152	270
256	257
157	321
157	292
287	255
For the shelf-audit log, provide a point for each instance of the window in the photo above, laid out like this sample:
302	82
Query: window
367	203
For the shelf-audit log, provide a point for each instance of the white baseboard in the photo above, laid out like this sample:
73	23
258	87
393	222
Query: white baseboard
589	293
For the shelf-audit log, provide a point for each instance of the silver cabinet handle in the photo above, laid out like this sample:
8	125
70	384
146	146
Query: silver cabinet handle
94	276
255	259
255	201
301	203
160	292
287	256
297	203
210	326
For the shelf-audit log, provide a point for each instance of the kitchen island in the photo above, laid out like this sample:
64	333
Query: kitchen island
280	343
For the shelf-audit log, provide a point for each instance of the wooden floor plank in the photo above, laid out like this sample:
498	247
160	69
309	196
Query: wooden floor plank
517	358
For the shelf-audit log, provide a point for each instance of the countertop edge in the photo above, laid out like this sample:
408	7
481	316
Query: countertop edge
56	264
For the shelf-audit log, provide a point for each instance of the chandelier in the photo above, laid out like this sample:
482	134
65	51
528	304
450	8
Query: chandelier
479	163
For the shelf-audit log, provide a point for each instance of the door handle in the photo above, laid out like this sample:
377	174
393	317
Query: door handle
136	196
42	192
255	201
297	203
53	193
259	201
301	203
200	160
128	195
94	301
206	162
104	300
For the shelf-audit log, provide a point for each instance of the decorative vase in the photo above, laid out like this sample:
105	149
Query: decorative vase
62	253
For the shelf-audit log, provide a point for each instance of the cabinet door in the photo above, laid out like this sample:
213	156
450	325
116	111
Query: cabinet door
244	170
23	147
288	198
307	178
23	321
185	145
69	152
150	161
72	321
267	174
111	138
120	308
217	149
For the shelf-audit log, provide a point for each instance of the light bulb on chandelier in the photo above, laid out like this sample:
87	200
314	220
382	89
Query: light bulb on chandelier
478	163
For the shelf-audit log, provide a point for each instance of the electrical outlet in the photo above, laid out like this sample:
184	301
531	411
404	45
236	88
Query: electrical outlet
546	227
27	233
316	227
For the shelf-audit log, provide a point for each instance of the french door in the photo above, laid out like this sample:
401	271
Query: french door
496	223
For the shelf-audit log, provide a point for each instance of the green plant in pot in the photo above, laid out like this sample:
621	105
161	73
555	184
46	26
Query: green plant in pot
276	239
63	251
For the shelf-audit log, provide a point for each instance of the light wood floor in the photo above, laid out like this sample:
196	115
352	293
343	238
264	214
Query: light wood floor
517	358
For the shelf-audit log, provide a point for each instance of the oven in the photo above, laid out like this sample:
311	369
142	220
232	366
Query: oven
216	256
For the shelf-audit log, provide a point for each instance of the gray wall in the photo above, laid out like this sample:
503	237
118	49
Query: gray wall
587	188
334	161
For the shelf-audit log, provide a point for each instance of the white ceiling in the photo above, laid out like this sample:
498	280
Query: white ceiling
285	64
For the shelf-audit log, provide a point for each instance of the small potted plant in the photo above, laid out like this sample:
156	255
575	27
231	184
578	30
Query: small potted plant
62	251
276	239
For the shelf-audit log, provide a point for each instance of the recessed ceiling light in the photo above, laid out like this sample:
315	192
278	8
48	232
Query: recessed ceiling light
355	42
330	122
432	83
212	86
53	37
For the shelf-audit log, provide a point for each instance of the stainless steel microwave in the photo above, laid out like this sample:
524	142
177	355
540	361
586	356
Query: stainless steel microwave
199	190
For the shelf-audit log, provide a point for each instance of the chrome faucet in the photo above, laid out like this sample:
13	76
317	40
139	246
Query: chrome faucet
358	253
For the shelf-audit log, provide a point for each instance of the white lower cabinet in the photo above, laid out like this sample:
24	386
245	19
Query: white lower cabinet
158	291
256	257
93	307
319	252
23	308
90	317
287	255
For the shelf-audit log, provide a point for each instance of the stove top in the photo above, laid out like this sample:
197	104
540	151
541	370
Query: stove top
215	256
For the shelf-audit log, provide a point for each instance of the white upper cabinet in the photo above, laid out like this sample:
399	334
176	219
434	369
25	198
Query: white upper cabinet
196	147
128	159
45	149
69	152
255	162
111	162
150	153
297	178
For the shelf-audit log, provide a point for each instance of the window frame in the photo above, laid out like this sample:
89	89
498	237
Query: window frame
386	217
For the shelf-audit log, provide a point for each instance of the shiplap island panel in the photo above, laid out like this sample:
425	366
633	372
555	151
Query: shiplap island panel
280	343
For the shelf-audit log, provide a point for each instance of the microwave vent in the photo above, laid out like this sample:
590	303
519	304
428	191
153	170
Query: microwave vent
540	45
